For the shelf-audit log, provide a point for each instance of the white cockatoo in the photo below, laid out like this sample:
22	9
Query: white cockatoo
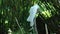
32	14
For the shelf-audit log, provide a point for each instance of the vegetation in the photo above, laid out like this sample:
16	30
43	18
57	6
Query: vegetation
13	15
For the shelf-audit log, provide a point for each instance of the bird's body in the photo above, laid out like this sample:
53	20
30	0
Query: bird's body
32	13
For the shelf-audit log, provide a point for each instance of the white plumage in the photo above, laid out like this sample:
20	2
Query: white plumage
32	13
32	16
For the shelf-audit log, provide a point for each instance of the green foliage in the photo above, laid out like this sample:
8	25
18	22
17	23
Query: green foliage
9	9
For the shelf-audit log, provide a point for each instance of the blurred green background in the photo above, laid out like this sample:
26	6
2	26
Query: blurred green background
13	15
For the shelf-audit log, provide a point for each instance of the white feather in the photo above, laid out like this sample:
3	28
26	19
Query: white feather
32	13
